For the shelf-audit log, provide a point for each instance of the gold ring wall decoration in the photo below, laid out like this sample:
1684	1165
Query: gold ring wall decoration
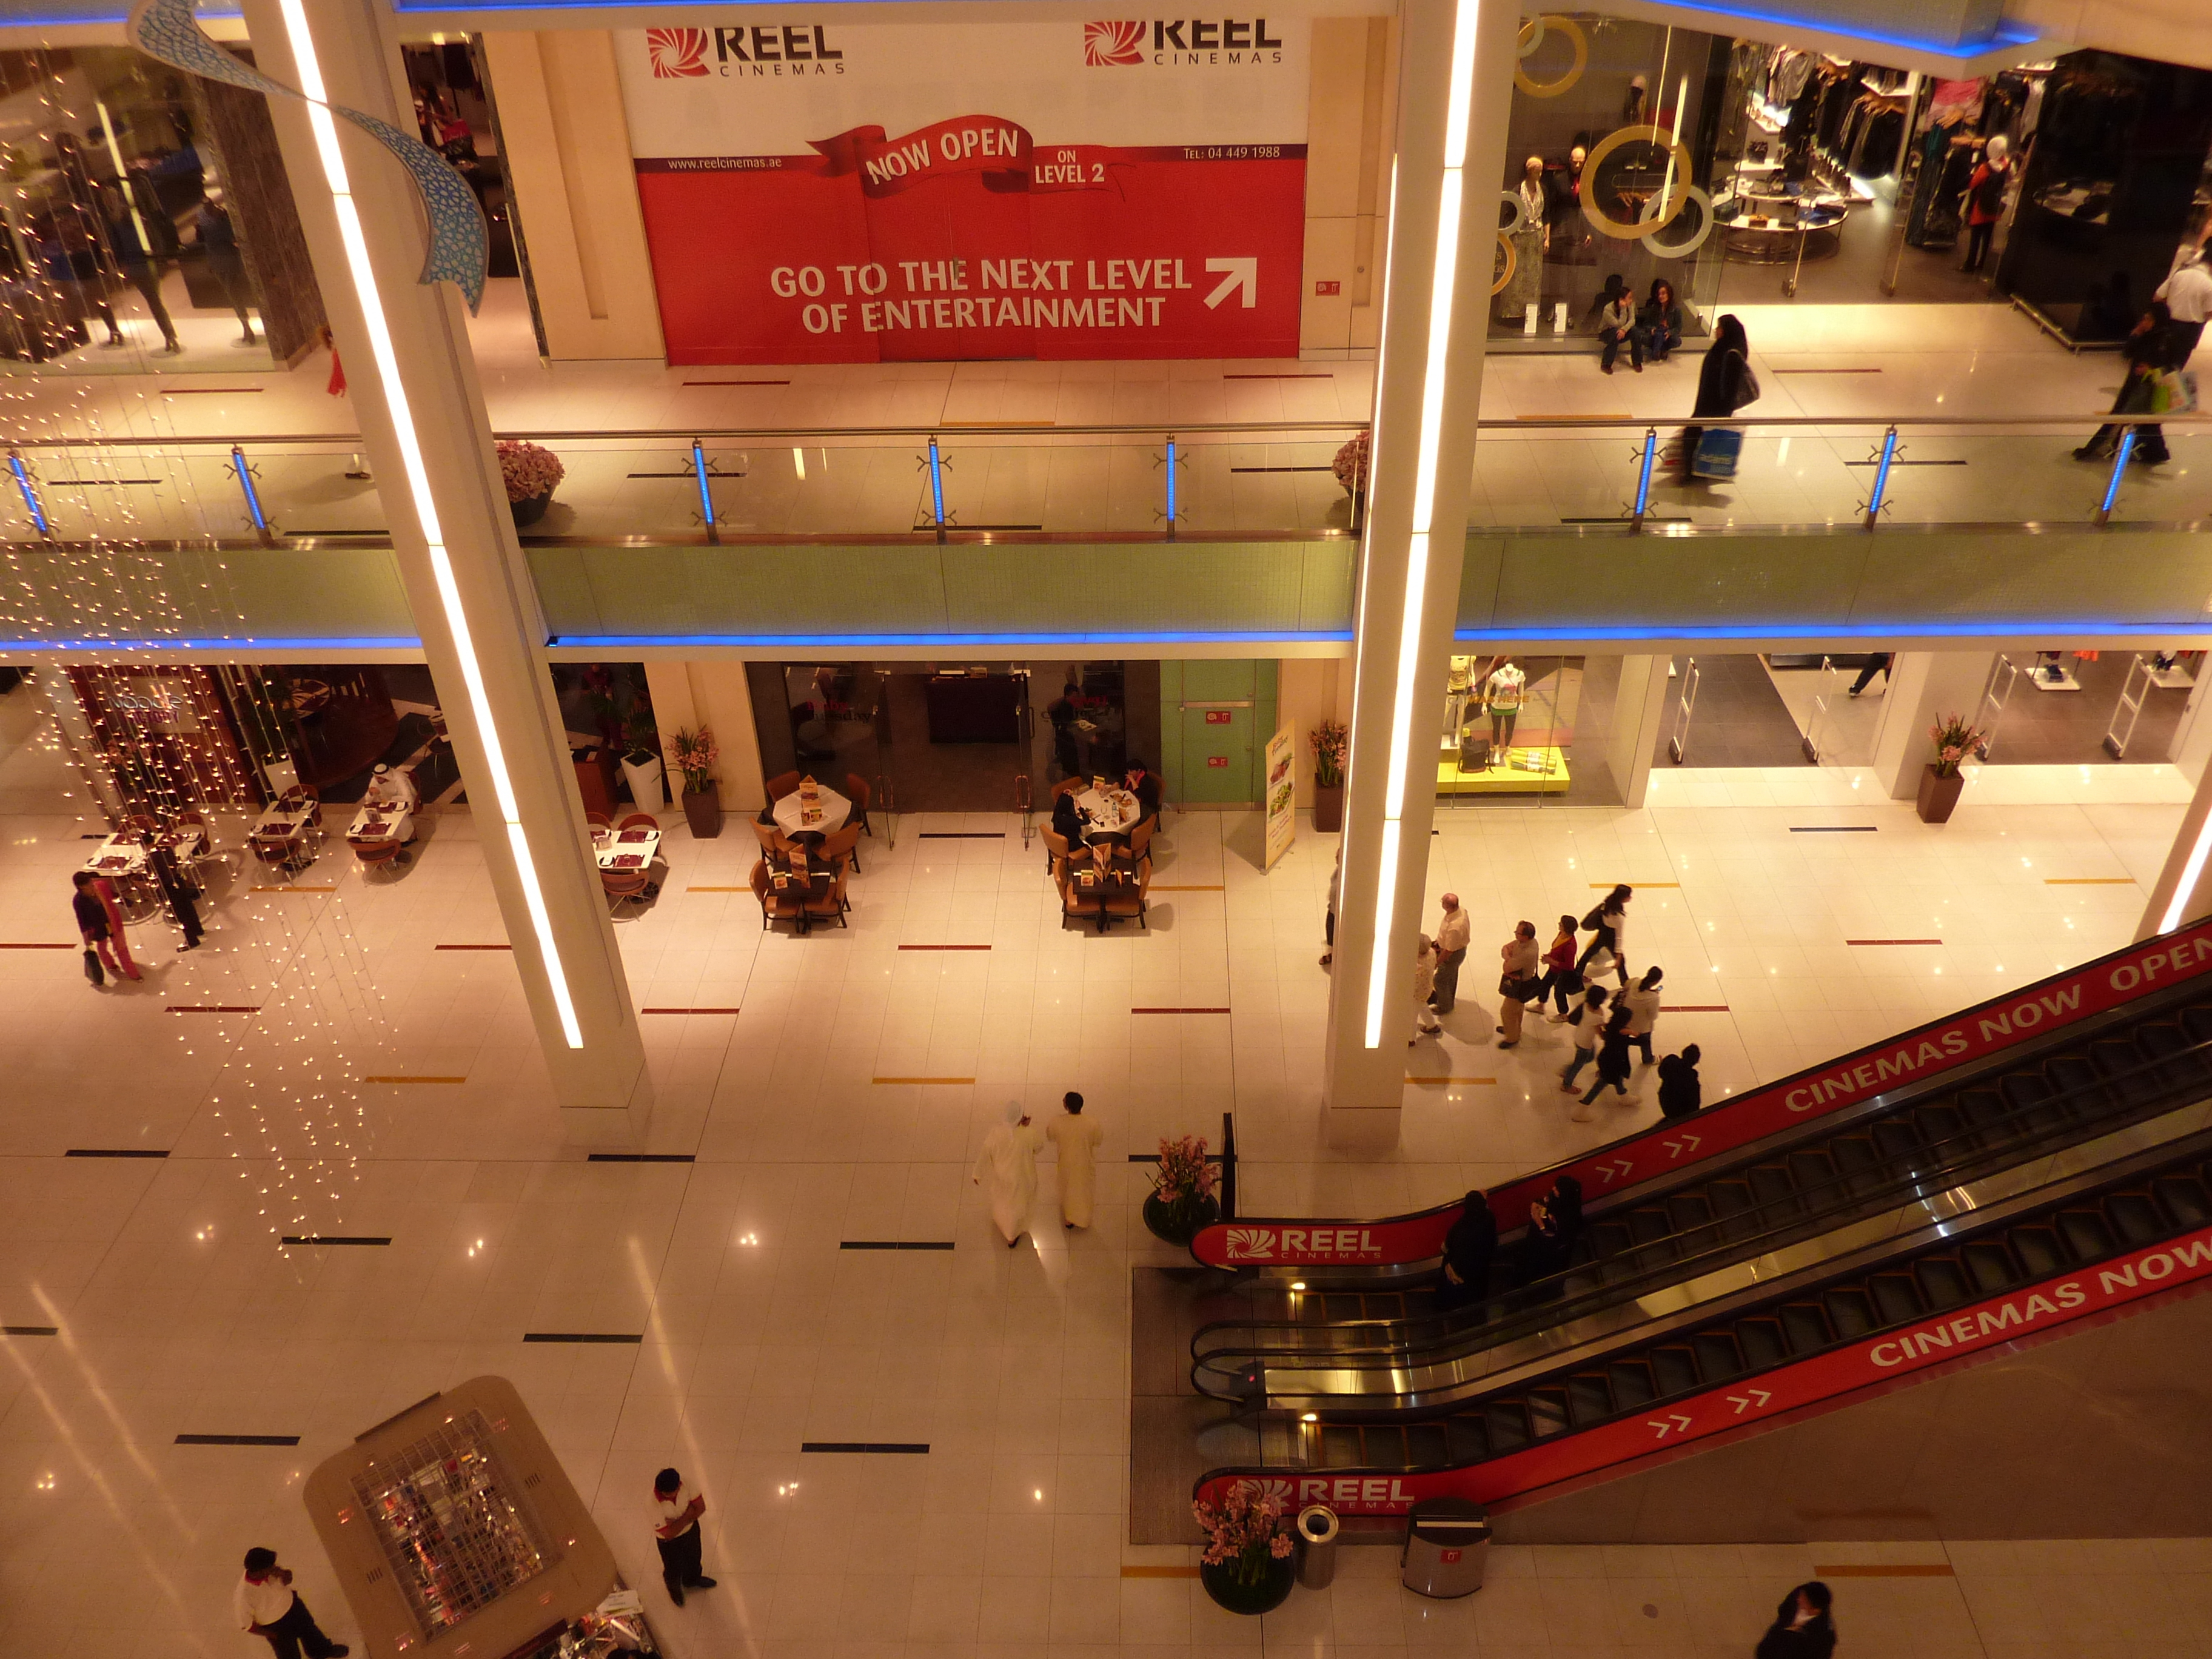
1576	38
1512	259
1612	142
1532	37
1696	240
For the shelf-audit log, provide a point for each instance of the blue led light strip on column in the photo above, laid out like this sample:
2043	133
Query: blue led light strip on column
706	495
1881	477
253	496
1171	489
30	492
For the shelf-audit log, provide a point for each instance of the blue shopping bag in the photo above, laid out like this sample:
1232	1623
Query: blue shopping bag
1719	449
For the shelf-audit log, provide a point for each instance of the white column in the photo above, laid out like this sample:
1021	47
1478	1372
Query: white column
1639	711
414	392
1923	685
2182	893
1455	86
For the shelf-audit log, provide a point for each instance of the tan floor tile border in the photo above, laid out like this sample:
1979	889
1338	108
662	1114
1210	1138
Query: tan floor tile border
1159	1572
2088	881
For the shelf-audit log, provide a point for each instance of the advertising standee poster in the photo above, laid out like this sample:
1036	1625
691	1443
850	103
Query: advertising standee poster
1282	809
815	192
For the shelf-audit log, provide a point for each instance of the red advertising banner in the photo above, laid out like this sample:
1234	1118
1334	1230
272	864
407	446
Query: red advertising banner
1974	1034
1825	1381
1110	200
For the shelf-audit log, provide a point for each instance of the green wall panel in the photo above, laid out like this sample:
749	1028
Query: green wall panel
260	594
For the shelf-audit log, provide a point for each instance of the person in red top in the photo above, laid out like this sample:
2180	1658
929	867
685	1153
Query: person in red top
1985	195
1560	980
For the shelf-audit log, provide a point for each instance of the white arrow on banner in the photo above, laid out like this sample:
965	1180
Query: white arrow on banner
1614	1171
1685	1144
1672	1423
1743	1402
1242	273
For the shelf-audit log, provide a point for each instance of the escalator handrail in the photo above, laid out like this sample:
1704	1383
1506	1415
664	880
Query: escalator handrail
1808	1384
1674	1144
1397	1338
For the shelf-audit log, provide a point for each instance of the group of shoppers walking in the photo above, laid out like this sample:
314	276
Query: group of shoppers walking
1007	1165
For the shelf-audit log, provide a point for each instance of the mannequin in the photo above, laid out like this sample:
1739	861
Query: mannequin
1526	286
1632	106
1985	200
1502	694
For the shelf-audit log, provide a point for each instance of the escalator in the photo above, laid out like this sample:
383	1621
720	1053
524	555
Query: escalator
1844	1181
1380	1257
2133	1233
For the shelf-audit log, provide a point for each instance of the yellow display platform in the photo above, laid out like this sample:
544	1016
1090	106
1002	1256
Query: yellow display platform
1505	780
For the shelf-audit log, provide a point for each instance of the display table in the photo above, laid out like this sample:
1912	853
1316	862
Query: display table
975	707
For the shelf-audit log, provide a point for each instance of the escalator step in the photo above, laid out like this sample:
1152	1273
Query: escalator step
2121	1064
2078	1079
2088	1234
1898	1143
1991	1267
1608	1239
1984	1109
1763	1342
1469	1436
2197	1021
1943	1282
1383	1447
1732	1201
1849	1311
1589	1400
1509	1426
2039	1251
1813	1173
1689	1211
2185	1201
2134	1218
1631	1383
1896	1298
2033	1111
1342	1305
1547	1410
1339	1447
2167	1044
1771	1185
1676	1371
1806	1326
1718	1357
1648	1227
1857	1162
1427	1445
1943	1128
1383	1305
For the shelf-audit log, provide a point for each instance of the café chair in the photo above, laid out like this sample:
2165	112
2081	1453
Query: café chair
274	854
774	906
782	784
1141	835
640	821
624	886
1122	902
843	845
857	787
598	820
199	846
830	904
1055	849
141	821
1070	786
1074	900
770	837
373	854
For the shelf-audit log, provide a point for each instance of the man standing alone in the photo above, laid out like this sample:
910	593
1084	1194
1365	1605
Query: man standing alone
1453	933
266	1607
677	1535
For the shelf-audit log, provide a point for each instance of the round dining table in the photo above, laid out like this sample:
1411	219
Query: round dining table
834	808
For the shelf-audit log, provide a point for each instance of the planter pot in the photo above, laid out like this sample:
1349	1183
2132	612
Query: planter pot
530	511
1179	1224
644	775
1938	795
1272	1591
1328	807
702	811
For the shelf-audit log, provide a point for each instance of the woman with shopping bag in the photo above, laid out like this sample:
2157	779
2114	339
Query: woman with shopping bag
1725	384
2157	352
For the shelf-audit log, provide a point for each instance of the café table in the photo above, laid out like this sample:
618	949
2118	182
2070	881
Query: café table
625	849
1109	812
811	888
833	808
284	828
378	821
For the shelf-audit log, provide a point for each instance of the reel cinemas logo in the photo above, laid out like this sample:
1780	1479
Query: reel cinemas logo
1184	40
680	54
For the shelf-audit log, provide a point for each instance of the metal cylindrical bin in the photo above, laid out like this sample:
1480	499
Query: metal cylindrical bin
1317	1536
1447	1548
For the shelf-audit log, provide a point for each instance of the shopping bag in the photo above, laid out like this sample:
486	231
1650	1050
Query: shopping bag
92	968
2176	393
1720	448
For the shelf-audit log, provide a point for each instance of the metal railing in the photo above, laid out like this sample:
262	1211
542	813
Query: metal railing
1231	481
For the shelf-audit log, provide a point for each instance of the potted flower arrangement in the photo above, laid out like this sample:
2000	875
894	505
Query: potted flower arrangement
1330	740
694	754
1182	1199
641	760
1248	1566
1351	469
530	471
1956	743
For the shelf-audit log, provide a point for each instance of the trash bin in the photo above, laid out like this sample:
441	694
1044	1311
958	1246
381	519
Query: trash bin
1447	1546
1317	1533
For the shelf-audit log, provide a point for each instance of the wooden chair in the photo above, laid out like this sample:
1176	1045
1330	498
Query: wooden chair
857	787
598	820
1122	902
640	821
374	854
1055	849
1141	835
192	821
1073	900
775	907
624	886
782	784
831	905
1069	787
770	837
843	845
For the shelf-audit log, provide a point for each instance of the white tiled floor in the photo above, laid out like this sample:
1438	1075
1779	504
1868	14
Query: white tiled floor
179	1313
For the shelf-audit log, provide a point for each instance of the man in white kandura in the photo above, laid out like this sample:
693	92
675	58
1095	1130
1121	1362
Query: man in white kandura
1078	1139
1009	1160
